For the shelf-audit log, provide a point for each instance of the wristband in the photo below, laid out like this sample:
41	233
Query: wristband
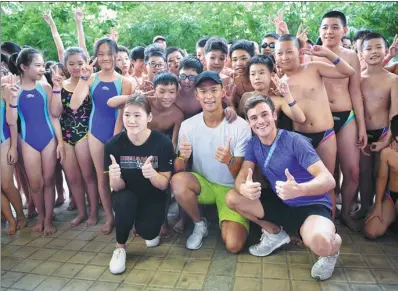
336	61
13	106
85	78
232	161
292	104
56	92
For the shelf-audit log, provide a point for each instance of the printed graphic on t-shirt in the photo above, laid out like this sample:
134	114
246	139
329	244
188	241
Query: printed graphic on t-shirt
136	162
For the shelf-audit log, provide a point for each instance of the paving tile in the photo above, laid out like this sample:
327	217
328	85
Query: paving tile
77	285
391	250
52	284
306	286
365	287
9	278
359	275
171	264
91	272
300	272
104	286
386	276
248	270
352	260
104	238
386	287
202	254
275	271
338	276
189	281
276	285
58	243
68	270
22	241
276	258
376	261
248	258
333	286
394	261
247	284
179	252
218	283
82	257
94	246
137	249
87	235
29	282
160	251
300	258
47	268
349	249
128	287
40	242
26	266
6	250
164	279
101	259
75	245
139	276
62	255
24	252
223	266
149	263
8	263
107	276
197	266
42	254
370	249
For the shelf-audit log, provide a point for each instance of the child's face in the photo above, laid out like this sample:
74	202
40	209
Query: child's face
35	70
200	54
331	31
268	45
173	61
155	65
374	51
240	60
287	55
187	79
139	65
106	58
123	62
215	61
74	64
166	94
260	77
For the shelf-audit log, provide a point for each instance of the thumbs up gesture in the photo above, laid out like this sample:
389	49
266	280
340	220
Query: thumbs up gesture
223	154
185	147
250	189
289	189
147	170
114	169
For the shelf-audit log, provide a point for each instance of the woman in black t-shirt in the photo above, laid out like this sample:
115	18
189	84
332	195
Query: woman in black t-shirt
140	162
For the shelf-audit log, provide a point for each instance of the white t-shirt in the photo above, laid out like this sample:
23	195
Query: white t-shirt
205	141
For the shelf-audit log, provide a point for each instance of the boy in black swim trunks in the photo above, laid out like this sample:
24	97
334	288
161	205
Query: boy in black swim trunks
383	213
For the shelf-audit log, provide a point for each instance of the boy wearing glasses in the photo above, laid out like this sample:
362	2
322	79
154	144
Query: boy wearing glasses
268	43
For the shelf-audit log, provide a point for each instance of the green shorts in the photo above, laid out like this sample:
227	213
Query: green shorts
212	193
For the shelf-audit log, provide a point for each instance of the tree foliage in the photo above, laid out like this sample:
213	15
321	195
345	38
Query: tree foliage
182	23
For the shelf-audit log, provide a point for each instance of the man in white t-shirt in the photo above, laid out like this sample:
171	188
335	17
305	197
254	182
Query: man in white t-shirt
217	150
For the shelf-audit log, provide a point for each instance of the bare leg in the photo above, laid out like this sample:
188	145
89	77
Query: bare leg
327	151
6	211
179	227
186	187
348	154
365	184
90	179
97	153
59	185
375	228
73	175
234	235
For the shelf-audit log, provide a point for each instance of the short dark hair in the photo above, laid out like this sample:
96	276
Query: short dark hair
216	44
10	47
191	62
110	42
264	60
361	33
24	57
290	37
243	44
202	41
165	78
310	42
172	49
373	35
319	41
137	53
394	126
154	50
345	37
140	100
121	48
257	99
74	51
272	34
336	14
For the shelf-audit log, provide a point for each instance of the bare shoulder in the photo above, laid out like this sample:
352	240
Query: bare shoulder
247	95
177	112
349	56
45	86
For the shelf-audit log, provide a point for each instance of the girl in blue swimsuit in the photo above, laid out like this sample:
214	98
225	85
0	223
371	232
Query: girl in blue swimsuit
40	131
101	86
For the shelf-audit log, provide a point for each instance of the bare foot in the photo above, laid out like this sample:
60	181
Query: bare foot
39	226
60	200
179	227
22	222
12	227
91	221
350	222
78	220
49	229
165	231
107	228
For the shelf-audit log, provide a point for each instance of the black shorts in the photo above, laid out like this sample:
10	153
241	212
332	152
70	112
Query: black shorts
289	217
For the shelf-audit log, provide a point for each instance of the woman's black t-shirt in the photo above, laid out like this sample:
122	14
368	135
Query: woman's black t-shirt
131	158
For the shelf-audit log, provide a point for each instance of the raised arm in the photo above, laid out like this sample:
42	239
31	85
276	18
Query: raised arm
80	31
56	107
83	86
57	39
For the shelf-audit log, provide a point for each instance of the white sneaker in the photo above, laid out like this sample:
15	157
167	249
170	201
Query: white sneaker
153	242
118	261
269	242
194	241
324	267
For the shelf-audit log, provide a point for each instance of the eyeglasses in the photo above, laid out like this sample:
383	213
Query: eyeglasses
155	65
189	77
270	45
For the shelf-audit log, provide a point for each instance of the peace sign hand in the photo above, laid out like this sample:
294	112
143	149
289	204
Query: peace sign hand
11	90
56	78
48	18
87	69
78	15
393	50
302	35
280	25
281	85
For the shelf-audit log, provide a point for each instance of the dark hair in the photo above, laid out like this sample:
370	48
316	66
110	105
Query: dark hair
63	69
137	53
70	51
119	71
216	44
394	126
165	78
274	35
257	99
345	37
154	50
243	44
24	57
140	100
202	41
264	60
10	47
53	65
336	14
172	49
319	41
310	42
105	40
191	62
361	33
290	37
373	35
4	58
49	64
121	48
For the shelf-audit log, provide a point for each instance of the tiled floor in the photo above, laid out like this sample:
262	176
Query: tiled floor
78	258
